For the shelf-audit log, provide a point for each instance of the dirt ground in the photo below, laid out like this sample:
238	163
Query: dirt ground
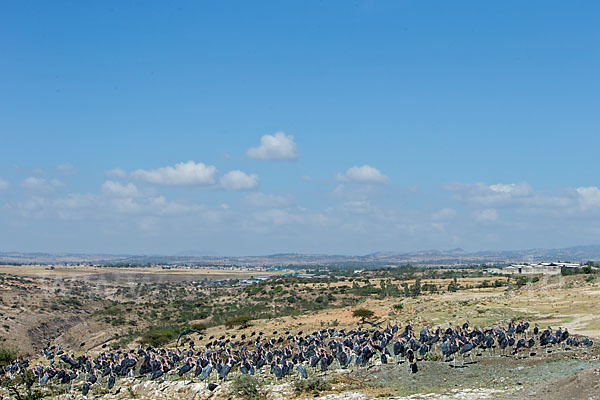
501	377
111	274
29	322
582	385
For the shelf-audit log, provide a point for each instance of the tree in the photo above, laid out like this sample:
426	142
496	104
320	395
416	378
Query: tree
415	289
242	321
362	313
21	386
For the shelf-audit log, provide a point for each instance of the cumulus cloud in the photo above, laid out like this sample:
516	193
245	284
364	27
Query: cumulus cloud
116	172
589	197
514	189
277	147
267	200
72	206
41	184
363	174
238	180
112	188
496	195
567	202
182	174
155	206
4	185
486	215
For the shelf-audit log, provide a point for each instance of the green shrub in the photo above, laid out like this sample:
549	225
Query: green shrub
247	387
198	326
312	384
240	320
7	356
157	337
362	313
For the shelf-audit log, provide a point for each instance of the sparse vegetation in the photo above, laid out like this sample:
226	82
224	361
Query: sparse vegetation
313	384
247	387
363	314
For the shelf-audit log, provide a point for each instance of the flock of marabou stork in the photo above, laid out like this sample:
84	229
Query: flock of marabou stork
300	354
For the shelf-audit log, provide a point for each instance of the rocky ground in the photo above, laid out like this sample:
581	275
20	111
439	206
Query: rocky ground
556	376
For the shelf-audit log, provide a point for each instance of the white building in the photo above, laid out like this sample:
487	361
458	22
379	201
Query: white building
543	268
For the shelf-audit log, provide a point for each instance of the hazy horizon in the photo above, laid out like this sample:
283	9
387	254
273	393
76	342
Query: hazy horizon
200	254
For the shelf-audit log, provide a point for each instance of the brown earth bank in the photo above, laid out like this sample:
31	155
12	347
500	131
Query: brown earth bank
584	385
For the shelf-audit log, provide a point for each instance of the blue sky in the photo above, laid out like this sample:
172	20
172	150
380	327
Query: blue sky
375	126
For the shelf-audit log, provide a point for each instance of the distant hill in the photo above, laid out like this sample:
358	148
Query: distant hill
192	253
451	257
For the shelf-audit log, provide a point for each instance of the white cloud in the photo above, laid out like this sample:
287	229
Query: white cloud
363	174
514	189
589	197
277	147
116	172
443	214
76	200
238	180
524	200
497	195
160	205
486	215
357	207
72	206
126	205
41	184
67	169
112	188
182	174
354	192
4	185
267	200
277	217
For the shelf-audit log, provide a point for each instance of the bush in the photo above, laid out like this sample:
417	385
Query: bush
362	313
247	387
22	386
241	321
312	384
157	337
398	307
7	356
198	327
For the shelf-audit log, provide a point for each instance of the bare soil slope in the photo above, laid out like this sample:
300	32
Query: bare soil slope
582	385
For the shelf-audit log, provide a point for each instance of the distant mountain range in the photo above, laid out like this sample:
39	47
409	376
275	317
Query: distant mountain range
451	257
